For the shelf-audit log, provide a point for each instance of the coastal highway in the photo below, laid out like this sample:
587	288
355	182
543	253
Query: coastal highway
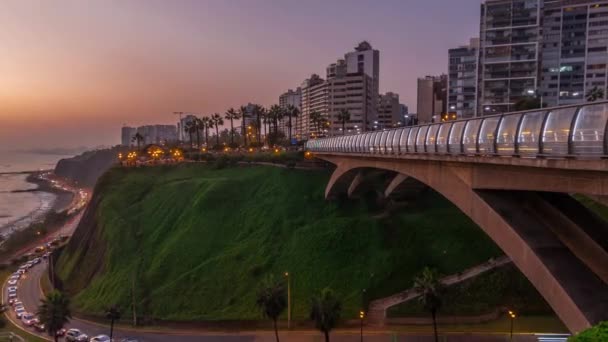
30	294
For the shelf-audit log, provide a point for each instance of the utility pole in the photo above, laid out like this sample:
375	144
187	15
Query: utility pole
288	300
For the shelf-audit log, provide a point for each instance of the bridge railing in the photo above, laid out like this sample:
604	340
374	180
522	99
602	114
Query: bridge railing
575	130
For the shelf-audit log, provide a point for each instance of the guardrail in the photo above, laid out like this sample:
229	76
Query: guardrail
566	131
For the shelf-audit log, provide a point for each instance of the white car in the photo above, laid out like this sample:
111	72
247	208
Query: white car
12	295
28	319
19	311
17	303
101	338
12	282
15	276
12	288
72	335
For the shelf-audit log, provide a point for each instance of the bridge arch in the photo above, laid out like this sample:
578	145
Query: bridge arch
519	220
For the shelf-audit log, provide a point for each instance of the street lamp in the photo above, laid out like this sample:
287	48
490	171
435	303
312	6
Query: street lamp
536	93
361	317
512	317
288	300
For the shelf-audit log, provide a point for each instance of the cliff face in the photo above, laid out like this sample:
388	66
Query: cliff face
87	167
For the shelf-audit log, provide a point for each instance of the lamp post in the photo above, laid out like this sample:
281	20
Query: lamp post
361	317
512	317
288	300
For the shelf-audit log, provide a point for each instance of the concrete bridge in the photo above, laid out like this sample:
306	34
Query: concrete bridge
513	174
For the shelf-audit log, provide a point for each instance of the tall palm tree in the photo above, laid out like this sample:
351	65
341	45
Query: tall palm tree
217	120
259	113
232	115
113	314
199	126
343	116
316	119
206	121
244	114
190	128
325	311
429	285
272	299
54	312
291	111
138	138
595	94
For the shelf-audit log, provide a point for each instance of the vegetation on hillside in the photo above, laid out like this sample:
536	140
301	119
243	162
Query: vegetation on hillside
193	242
593	334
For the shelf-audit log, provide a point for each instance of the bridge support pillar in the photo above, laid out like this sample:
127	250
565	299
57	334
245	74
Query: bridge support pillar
399	178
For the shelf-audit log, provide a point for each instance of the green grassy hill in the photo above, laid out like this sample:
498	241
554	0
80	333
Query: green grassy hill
196	242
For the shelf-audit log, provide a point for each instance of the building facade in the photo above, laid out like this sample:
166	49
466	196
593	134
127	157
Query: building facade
181	126
313	100
574	50
462	80
389	112
126	135
431	98
509	53
290	98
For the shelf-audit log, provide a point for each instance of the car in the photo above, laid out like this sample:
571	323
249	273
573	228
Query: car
72	334
40	327
12	282
15	276
19	311
61	332
36	261
39	249
101	338
28	319
82	338
12	289
12	295
11	301
129	339
17	303
22	271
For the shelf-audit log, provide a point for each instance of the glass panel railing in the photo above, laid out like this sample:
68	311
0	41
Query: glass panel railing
487	134
554	139
431	138
589	127
442	137
528	136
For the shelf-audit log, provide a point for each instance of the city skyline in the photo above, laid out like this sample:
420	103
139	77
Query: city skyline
75	72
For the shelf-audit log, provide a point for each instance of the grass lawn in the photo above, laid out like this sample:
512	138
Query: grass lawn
195	242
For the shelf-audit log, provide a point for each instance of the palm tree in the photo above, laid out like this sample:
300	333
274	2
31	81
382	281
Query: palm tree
217	120
272	299
206	121
232	115
113	314
54	312
316	118
325	311
343	116
199	126
138	138
595	94
244	114
429	285
259	113
291	111
190	128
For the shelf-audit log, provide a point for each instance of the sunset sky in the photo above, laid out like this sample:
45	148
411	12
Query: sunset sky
73	72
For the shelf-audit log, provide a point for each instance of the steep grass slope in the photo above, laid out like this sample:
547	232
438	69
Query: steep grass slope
196	242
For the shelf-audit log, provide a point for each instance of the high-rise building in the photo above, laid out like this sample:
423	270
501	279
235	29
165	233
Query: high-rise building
313	100
290	98
389	111
574	50
126	135
181	125
509	53
351	83
462	79
431	98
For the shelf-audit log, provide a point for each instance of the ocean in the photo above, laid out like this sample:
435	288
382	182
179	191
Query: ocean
19	209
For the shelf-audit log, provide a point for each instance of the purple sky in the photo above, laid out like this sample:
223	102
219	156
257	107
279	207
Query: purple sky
72	72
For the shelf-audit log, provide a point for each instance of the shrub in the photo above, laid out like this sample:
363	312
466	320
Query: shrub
593	334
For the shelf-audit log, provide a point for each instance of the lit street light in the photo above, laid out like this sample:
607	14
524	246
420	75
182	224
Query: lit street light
512	317
361	317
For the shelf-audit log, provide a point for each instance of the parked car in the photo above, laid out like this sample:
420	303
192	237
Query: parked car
28	319
61	332
40	327
12	288
73	335
101	338
12	295
17	303
130	339
19	311
82	338
12	282
39	249
36	261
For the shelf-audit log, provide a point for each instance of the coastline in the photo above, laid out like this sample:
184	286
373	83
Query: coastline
61	200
